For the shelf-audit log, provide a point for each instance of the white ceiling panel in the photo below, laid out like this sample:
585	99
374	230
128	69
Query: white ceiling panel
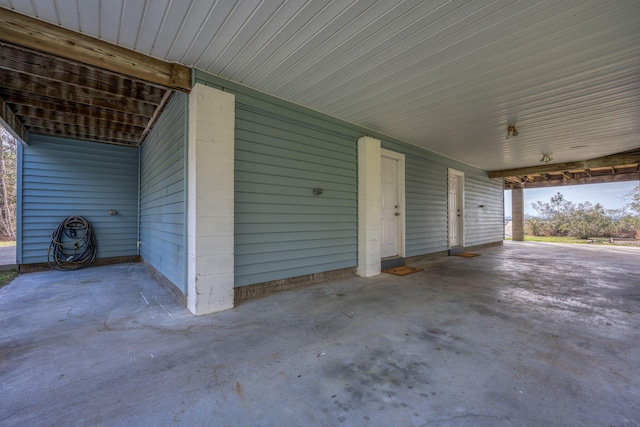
449	76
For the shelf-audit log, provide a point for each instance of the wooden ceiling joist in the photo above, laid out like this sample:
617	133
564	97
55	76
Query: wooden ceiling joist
84	132
32	33
50	112
628	158
10	122
82	95
39	65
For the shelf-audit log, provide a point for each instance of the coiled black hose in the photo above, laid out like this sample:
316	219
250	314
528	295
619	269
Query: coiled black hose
73	244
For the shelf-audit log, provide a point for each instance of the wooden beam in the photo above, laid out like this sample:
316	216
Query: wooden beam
46	67
18	82
11	123
156	114
82	132
60	113
628	158
619	177
35	34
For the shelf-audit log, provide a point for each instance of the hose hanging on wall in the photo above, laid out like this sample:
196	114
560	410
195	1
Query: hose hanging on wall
73	244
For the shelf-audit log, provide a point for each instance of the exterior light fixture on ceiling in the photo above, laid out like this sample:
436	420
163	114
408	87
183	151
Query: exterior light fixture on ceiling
512	131
546	158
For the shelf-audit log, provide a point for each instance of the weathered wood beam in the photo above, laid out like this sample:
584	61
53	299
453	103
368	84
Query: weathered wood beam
11	123
44	37
16	81
57	113
60	70
84	122
82	132
156	114
619	177
628	158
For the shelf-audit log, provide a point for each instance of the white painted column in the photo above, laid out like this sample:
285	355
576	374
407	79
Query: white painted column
210	200
369	207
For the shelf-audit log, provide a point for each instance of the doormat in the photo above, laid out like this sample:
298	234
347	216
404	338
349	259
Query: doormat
468	255
402	271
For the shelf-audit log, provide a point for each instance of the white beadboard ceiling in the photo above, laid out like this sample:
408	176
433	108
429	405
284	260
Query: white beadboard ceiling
449	76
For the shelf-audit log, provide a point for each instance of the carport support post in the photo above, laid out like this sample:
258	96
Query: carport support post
210	202
369	199
517	214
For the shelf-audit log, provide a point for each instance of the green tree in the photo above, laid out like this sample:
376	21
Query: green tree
634	204
8	180
555	214
587	220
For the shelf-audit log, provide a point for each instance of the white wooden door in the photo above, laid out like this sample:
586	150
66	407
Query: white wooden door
455	208
390	208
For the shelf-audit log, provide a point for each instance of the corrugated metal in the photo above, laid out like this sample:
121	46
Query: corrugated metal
63	177
163	193
445	75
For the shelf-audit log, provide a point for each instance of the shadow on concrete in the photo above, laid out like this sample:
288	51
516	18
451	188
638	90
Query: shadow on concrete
525	334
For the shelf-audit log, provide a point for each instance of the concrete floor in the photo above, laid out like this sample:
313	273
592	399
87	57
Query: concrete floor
8	256
525	335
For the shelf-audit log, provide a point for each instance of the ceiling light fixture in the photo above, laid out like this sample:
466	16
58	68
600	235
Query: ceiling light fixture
546	158
512	131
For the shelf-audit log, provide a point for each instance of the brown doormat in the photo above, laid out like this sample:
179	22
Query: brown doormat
402	271
468	255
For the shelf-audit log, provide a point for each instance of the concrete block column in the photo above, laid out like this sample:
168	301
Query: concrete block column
517	214
369	207
210	203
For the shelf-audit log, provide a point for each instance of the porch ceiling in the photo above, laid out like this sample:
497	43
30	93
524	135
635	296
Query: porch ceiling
53	96
449	76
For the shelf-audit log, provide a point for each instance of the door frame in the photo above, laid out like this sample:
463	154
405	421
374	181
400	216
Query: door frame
401	196
460	201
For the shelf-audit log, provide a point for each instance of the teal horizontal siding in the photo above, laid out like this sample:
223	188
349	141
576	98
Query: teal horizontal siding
284	150
163	193
64	177
483	224
281	228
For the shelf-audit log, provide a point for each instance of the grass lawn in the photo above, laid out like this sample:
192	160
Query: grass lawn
7	276
567	239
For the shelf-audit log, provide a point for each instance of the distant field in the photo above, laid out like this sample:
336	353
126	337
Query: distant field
566	239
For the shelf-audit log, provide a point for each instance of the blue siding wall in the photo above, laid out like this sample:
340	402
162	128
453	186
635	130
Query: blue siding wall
281	228
283	151
162	193
64	177
426	186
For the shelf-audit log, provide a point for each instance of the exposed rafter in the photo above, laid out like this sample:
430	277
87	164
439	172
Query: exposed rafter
55	96
32	33
11	122
627	158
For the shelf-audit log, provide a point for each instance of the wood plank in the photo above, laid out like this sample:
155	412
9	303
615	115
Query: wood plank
60	70
58	113
83	132
627	158
54	90
11	123
44	37
99	126
618	177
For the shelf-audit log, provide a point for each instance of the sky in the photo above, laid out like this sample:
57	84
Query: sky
609	195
